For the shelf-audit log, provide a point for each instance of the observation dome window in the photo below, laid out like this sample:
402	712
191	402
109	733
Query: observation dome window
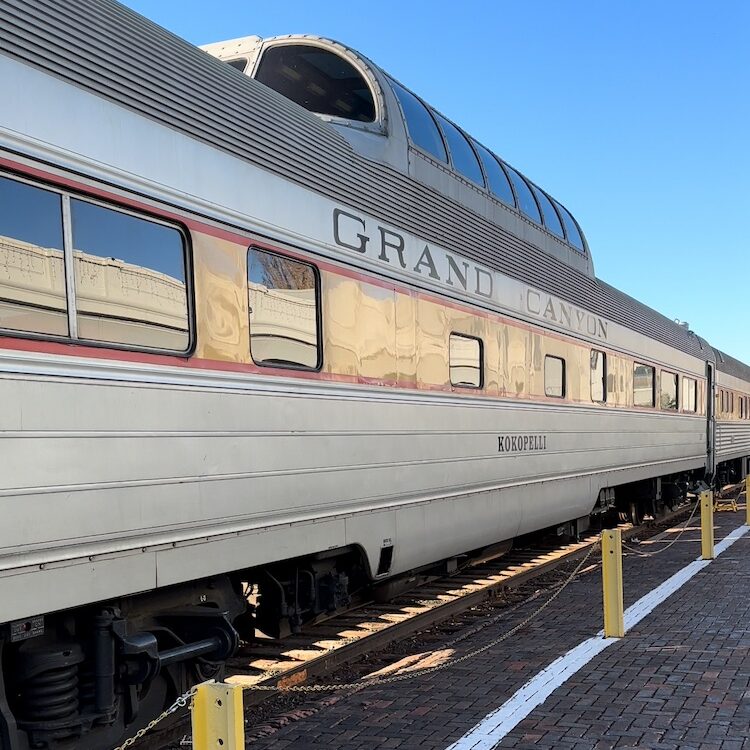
422	128
551	219
318	80
525	197
571	228
462	155
496	178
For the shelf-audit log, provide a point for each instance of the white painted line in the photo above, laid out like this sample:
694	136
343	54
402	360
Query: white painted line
488	732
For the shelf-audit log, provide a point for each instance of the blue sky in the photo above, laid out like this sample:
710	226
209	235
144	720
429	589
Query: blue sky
635	115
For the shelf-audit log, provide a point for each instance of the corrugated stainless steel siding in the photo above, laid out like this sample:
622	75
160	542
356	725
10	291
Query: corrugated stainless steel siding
732	438
115	53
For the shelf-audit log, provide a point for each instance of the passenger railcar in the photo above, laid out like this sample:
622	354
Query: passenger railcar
279	322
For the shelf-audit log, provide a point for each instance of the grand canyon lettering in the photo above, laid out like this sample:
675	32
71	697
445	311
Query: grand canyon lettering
416	257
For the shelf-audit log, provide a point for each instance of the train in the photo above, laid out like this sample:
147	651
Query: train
271	323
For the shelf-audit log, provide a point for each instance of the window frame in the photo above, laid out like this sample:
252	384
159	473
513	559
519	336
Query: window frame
684	380
318	312
603	400
463	386
564	376
653	385
68	194
677	398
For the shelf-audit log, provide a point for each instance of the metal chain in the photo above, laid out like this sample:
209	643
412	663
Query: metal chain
376	681
181	702
673	541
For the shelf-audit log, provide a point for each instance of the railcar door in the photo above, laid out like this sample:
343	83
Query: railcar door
710	421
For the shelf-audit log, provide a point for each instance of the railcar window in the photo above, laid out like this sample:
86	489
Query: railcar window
598	375
496	177
689	394
462	155
668	390
240	64
32	264
130	279
526	201
465	361
318	80
422	128
571	228
551	219
554	376
643	385
283	298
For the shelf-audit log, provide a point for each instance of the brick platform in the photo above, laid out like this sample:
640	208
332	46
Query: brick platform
680	679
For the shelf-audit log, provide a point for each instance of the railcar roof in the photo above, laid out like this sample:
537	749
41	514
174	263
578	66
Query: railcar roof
731	366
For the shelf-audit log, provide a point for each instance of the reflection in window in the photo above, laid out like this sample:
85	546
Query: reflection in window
526	201
422	128
571	228
551	219
496	177
130	279
643	385
283	298
554	376
668	391
463	157
689	394
32	268
465	360
318	80
598	375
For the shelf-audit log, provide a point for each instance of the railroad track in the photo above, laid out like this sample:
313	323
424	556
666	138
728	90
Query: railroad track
345	638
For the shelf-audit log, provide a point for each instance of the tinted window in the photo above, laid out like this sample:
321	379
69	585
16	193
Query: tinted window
422	128
240	64
554	376
463	157
668	391
318	80
32	267
571	228
283	299
526	201
130	279
551	219
598	375
643	385
689	391
496	177
465	361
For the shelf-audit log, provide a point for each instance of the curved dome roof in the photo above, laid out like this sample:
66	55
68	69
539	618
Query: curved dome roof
384	120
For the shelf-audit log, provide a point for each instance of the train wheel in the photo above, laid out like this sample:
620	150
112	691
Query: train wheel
636	518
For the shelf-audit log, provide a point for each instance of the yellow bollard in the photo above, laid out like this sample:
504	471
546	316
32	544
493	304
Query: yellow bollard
614	626
217	717
707	525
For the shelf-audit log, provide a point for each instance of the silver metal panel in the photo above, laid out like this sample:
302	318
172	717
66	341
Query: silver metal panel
111	51
219	459
732	440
